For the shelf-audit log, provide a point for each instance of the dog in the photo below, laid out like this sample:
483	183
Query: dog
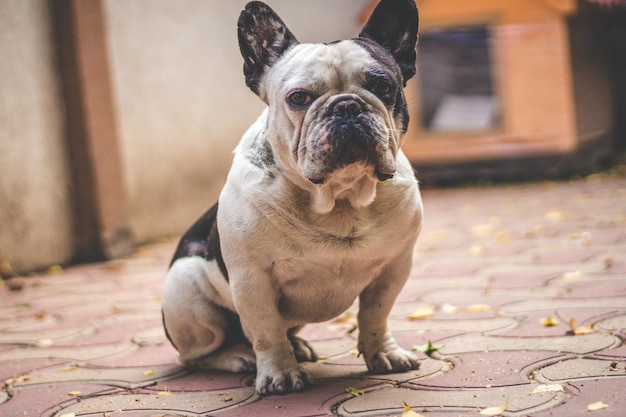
320	207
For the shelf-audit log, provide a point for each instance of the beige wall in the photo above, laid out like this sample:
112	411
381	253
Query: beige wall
35	206
181	99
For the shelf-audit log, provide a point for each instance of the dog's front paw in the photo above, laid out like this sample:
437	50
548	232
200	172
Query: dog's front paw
290	380
393	359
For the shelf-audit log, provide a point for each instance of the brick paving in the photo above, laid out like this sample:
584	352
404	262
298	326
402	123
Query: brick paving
517	299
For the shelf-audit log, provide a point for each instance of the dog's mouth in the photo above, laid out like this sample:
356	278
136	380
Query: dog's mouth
350	142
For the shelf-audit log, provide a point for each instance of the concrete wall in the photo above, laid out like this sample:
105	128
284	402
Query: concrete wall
35	198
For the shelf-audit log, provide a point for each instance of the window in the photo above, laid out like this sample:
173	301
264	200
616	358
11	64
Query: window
456	75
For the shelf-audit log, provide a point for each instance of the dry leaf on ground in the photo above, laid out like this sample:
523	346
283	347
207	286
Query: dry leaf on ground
597	406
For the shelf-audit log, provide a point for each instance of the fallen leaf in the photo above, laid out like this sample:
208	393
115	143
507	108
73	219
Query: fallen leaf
477	308
428	348
164	393
549	322
573	276
55	269
436	236
482	230
353	391
556	215
17	379
69	369
494	411
504	238
148	372
408	412
477	250
422	313
74	393
547	388
579	330
597	406
448	308
45	342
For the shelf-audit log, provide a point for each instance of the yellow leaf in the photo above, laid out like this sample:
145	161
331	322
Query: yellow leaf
597	406
148	372
482	230
573	276
436	236
547	388
55	269
477	250
408	412
164	393
74	393
494	411
69	369
477	308
556	215
579	330
422	313
549	322
448	308
355	392
504	238
45	342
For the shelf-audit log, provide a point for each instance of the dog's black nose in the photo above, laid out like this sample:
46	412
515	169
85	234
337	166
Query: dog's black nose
347	108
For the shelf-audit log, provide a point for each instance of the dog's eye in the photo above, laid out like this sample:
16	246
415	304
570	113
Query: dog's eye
299	99
381	88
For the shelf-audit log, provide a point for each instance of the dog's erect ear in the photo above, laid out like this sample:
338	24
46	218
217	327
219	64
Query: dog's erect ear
263	38
393	24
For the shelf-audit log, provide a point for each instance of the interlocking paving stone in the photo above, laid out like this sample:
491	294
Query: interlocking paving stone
187	403
580	368
517	400
120	377
581	344
490	265
71	353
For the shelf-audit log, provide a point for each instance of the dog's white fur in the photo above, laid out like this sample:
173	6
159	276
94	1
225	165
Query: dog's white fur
297	252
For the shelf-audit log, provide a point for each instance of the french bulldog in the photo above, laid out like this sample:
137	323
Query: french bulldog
320	207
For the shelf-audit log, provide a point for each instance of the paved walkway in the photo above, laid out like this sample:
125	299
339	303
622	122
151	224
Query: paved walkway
517	299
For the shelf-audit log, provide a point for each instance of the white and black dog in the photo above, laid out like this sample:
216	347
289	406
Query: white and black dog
320	207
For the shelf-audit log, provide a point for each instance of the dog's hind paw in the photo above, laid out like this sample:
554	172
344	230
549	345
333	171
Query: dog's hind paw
236	358
302	350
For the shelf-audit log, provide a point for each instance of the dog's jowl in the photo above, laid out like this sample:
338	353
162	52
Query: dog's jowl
320	207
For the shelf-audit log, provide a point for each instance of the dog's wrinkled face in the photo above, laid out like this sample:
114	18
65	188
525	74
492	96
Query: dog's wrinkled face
340	106
337	112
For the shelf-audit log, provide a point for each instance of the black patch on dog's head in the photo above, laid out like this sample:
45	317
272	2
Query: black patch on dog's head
263	39
394	25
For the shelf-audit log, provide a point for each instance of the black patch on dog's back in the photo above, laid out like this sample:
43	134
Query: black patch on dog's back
202	239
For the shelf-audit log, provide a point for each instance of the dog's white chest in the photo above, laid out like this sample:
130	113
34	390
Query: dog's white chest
319	288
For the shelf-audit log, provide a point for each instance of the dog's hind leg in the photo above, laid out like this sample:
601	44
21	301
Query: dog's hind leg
301	348
205	333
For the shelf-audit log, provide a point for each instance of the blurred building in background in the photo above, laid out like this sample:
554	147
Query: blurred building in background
517	89
118	118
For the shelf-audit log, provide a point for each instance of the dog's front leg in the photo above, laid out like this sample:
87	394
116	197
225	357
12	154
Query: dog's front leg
278	371
379	348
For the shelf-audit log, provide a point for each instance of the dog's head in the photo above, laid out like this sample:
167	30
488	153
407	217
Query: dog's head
337	111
